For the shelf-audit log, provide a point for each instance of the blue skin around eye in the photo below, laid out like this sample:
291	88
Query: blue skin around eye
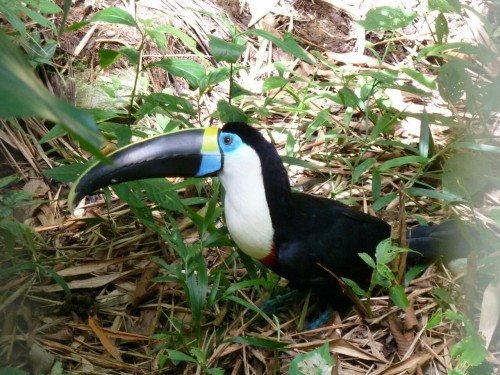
212	163
233	146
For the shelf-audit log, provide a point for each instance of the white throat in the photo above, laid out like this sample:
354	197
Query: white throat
247	212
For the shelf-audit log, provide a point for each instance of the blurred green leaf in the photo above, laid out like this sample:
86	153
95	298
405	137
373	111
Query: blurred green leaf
421	78
258	342
107	57
445	6
452	80
288	44
465	173
190	70
229	113
442	30
225	51
131	54
114	15
397	162
398	296
23	95
387	18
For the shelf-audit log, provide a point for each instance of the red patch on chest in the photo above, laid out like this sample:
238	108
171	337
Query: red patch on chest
271	260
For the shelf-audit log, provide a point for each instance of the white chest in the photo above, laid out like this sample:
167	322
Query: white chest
247	212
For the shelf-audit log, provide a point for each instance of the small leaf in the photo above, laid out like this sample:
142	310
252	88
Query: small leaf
131	54
452	80
299	162
387	18
225	51
272	83
426	143
445	6
66	173
421	78
288	44
190	70
465	174
177	356
229	113
368	259
434	320
442	30
398	296
362	168
397	162
354	286
114	15
259	342
107	57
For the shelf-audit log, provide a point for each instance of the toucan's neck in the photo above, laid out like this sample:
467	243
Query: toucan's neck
258	194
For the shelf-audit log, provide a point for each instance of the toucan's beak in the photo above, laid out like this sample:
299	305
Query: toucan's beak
188	153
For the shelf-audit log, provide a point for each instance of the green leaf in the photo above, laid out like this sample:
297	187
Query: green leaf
107	57
229	113
258	342
186	39
214	77
387	18
177	356
398	296
272	83
115	15
317	362
442	30
121	132
288	44
190	70
445	6
383	201
465	174
7	180
55	132
168	102
66	173
299	162
131	54
434	320
426	144
225	51
46	6
452	80
354	286
447	197
421	78
23	95
362	168
397	162
368	259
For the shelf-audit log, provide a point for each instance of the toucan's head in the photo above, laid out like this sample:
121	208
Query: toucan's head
189	153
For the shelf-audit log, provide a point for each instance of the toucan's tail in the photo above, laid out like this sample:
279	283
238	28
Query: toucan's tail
448	240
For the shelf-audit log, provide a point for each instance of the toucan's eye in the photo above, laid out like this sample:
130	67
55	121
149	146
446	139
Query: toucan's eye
228	140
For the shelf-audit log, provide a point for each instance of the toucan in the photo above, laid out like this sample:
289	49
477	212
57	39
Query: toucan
302	237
